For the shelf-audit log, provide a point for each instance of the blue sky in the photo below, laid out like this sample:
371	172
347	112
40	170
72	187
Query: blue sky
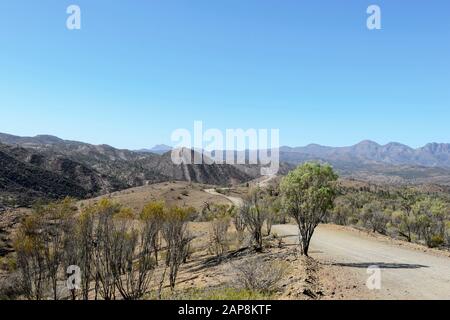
137	70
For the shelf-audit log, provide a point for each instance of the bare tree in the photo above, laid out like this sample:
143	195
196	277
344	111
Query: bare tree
254	212
177	239
153	217
134	263
407	221
239	224
105	250
274	213
58	232
30	251
84	249
42	244
219	235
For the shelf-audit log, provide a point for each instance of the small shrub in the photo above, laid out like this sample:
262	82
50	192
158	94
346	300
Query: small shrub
219	293
8	263
255	274
10	287
435	241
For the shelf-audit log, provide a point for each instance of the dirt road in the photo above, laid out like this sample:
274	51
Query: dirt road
406	272
234	200
262	183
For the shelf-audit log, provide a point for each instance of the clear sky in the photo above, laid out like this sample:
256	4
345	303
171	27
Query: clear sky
137	70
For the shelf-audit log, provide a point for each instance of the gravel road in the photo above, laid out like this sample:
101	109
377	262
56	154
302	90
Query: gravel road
406	272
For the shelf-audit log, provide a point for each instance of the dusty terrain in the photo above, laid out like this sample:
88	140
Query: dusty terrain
173	193
204	273
407	271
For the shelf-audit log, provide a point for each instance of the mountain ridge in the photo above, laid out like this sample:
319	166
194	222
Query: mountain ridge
80	170
394	153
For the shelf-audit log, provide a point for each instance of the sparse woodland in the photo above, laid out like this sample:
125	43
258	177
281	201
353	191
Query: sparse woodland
122	254
404	213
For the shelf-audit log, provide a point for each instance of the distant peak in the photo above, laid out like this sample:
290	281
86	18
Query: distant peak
368	142
46	136
158	149
437	147
313	145
162	147
397	145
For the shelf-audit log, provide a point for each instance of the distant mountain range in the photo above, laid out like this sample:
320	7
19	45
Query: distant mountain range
430	155
393	153
393	163
158	149
49	167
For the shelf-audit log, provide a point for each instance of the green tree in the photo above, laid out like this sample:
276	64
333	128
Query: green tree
408	198
375	217
342	211
404	223
431	214
308	192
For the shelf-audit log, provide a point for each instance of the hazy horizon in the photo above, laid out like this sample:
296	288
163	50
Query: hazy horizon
282	145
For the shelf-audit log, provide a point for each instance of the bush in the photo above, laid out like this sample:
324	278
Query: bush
217	293
447	232
342	212
10	287
255	274
8	263
435	241
223	294
375	217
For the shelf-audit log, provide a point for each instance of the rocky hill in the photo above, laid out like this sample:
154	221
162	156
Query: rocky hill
21	181
49	167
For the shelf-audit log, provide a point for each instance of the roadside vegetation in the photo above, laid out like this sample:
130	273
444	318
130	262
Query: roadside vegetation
404	213
123	254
